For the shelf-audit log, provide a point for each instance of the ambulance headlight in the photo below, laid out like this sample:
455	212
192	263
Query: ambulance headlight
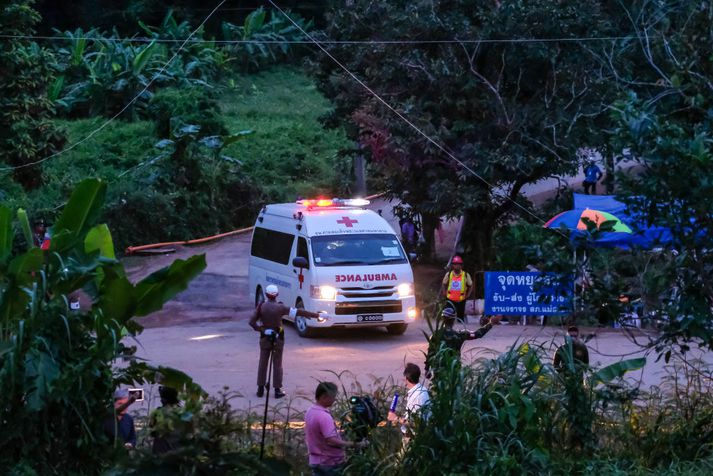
328	293
411	313
405	289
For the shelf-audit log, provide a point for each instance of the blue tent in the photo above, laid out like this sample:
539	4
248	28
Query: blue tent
644	236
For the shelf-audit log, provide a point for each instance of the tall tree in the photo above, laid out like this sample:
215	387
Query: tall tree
665	116
512	112
26	133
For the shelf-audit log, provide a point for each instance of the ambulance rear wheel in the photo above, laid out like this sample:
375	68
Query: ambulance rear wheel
396	329
301	322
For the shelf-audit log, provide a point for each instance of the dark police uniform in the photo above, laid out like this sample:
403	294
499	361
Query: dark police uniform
269	314
446	343
580	354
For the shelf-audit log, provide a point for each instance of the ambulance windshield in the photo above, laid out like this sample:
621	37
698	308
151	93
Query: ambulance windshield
357	250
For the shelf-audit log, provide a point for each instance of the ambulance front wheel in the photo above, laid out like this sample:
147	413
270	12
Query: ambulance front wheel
396	329
301	322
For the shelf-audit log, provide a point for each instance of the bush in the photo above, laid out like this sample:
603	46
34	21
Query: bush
56	364
191	105
210	438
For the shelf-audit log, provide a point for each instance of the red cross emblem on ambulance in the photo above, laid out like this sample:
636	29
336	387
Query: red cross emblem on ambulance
348	222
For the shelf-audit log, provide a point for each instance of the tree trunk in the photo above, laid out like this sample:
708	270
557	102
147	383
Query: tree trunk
609	179
476	241
429	223
360	174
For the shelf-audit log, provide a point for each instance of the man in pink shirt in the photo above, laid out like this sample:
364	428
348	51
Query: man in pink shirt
324	444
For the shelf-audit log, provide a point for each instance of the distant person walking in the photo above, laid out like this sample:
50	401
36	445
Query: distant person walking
457	287
592	174
408	234
267	320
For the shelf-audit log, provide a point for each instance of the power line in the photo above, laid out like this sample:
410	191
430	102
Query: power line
581	39
133	100
407	121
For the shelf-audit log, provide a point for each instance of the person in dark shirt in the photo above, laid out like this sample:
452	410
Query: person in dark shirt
446	342
166	436
408	234
119	427
573	347
592	174
267	320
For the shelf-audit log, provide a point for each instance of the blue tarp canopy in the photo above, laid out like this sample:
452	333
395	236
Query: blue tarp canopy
644	236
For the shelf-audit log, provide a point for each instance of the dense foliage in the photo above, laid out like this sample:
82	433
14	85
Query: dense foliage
57	364
514	414
26	134
665	117
512	113
170	155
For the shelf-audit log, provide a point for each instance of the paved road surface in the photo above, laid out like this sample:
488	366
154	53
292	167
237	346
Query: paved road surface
204	330
218	354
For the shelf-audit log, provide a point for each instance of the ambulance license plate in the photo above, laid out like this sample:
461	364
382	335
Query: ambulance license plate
370	317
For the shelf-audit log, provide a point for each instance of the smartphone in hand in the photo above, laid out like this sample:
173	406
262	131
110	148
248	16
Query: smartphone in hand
136	394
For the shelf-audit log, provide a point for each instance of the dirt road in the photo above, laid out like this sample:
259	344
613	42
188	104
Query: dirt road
204	332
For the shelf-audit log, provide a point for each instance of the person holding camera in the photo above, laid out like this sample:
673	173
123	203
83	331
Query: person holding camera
324	443
267	320
119	427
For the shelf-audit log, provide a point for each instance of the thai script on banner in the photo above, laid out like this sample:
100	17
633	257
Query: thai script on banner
527	293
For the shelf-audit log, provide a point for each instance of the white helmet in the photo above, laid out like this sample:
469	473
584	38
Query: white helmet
272	290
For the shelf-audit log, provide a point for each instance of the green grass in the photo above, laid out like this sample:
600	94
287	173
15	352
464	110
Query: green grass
290	153
106	154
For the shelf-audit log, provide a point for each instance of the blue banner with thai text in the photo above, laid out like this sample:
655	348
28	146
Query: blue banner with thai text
527	293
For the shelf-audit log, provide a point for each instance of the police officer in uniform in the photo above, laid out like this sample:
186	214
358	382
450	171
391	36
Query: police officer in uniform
267	320
457	287
573	351
446	342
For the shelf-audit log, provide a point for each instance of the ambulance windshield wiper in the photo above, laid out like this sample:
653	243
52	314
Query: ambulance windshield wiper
389	260
342	263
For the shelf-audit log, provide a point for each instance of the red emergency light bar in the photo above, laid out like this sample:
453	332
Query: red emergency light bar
334	202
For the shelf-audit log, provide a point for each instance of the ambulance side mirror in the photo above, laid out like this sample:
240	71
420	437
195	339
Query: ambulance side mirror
300	262
412	256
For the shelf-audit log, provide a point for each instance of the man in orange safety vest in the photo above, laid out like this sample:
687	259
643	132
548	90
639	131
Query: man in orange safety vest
457	287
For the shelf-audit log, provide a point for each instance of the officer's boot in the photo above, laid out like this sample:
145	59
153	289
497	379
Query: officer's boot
279	393
261	390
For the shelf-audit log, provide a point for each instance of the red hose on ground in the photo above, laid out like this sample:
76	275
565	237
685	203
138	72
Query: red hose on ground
134	249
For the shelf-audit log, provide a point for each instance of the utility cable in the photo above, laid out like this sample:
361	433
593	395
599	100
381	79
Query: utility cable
406	120
581	39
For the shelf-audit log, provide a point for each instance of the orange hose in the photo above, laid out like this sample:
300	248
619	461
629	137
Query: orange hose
134	249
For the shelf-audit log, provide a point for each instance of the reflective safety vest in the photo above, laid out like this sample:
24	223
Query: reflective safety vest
456	290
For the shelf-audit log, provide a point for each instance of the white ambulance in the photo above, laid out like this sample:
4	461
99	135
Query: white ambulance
333	256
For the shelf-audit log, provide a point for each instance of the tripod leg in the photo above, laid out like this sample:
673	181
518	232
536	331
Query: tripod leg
267	400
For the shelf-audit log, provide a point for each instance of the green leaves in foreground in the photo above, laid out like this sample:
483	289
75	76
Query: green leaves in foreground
617	370
57	370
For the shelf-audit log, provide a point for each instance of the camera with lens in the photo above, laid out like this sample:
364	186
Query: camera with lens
363	416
